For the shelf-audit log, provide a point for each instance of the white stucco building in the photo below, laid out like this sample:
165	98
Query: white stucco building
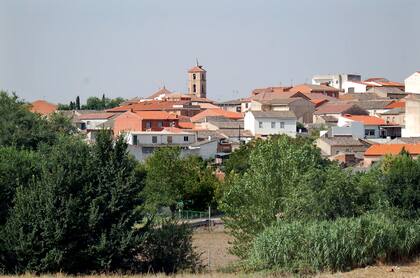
263	123
412	83
412	117
335	80
354	87
141	144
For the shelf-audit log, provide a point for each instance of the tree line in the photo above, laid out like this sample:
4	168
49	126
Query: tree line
92	103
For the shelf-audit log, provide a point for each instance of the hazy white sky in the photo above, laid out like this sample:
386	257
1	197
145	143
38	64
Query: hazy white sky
56	49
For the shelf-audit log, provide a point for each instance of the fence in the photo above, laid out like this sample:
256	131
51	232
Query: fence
191	214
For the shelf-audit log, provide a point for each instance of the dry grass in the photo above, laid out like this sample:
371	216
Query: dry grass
216	242
213	246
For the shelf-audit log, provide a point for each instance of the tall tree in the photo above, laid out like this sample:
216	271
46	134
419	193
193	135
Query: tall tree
80	215
77	106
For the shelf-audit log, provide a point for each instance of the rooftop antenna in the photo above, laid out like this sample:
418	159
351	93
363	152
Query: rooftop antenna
291	82
196	60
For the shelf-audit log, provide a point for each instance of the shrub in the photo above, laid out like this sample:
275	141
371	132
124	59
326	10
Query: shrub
168	248
345	243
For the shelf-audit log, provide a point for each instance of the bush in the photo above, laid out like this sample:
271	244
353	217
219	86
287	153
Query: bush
345	243
168	248
79	215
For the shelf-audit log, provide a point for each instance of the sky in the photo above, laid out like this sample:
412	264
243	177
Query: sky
56	49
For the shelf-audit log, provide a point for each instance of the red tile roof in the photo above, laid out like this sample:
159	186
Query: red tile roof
217	113
156	115
368	120
186	125
397	104
96	116
153	105
43	107
393	149
162	91
196	69
333	108
306	88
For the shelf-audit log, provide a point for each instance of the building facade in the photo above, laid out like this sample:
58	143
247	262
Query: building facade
264	123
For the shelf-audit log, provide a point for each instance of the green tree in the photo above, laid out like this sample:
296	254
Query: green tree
77	106
257	198
19	127
164	181
17	169
80	215
238	161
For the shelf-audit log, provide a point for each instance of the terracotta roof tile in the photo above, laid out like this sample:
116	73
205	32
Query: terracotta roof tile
397	104
43	107
216	112
196	69
153	105
392	149
156	115
96	116
333	108
368	120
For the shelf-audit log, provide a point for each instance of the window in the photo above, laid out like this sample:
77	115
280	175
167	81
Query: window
185	138
194	76
260	124
351	89
194	88
82	126
369	132
202	88
281	124
169	139
273	124
238	109
154	139
135	140
246	105
160	124
148	124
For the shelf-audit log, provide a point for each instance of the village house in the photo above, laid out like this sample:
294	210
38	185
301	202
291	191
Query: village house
301	107
375	107
336	110
91	123
316	89
377	152
412	83
202	116
264	123
335	80
43	107
180	108
343	144
412	116
141	144
144	121
374	127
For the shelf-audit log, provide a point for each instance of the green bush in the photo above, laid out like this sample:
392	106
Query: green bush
168	248
302	246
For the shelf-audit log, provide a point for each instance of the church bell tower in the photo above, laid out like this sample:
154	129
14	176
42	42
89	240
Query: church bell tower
197	81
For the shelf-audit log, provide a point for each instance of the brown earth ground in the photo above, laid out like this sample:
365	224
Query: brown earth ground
216	242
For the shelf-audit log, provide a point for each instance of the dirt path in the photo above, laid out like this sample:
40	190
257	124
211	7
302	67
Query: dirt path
213	244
